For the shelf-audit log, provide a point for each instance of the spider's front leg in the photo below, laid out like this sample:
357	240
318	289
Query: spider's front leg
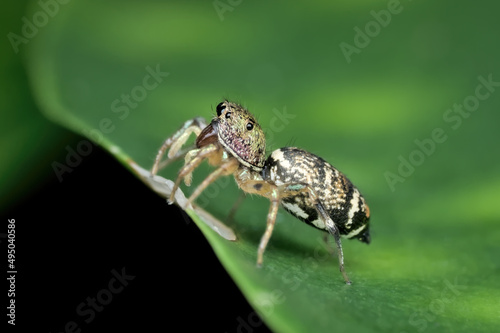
193	160
227	168
177	140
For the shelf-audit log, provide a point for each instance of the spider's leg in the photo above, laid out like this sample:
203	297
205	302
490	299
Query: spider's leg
253	183
334	231
187	169
178	139
271	219
287	190
180	154
329	248
274	194
236	205
188	157
195	126
225	169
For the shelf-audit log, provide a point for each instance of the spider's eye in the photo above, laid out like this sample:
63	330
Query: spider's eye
220	108
228	115
249	126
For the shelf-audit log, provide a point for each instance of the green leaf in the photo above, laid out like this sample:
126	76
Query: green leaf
128	74
26	159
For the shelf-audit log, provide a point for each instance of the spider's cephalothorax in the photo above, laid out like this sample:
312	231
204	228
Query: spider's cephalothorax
237	131
233	141
307	186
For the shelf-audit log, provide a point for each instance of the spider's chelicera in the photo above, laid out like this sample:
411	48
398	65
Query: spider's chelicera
305	185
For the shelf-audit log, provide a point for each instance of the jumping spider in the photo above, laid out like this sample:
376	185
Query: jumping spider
305	185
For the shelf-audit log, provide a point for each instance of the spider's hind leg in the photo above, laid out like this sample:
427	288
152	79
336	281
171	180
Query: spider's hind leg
334	231
291	190
328	245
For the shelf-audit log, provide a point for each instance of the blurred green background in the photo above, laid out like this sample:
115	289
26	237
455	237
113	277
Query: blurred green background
365	85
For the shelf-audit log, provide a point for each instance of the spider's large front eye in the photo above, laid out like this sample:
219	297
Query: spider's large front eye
221	107
249	126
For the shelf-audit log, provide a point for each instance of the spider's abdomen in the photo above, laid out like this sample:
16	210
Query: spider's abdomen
343	202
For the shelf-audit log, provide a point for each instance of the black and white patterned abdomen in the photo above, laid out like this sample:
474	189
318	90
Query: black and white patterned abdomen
343	202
